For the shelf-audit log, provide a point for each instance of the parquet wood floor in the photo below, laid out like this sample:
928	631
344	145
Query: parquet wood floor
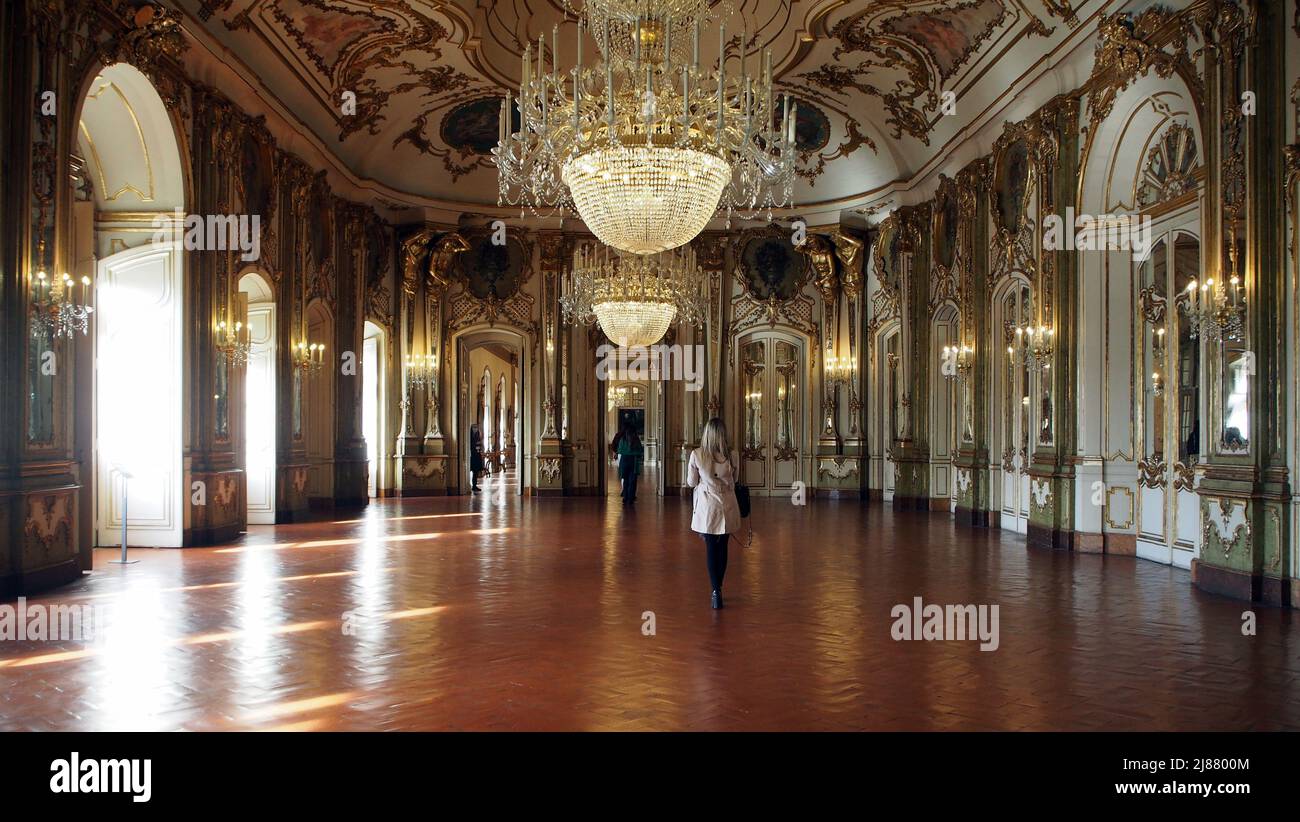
496	612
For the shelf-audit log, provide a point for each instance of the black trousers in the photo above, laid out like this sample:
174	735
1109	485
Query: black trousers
627	465
715	547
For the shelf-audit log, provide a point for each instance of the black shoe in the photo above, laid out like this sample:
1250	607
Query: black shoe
717	600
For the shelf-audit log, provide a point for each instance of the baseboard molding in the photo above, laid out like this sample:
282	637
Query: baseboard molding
1038	536
911	503
201	537
973	517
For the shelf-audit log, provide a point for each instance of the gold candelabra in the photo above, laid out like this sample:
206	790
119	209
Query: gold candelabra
1034	347
1216	311
58	308
232	341
421	369
309	357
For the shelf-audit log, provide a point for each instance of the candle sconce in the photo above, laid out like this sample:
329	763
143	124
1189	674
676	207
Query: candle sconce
838	371
421	371
233	342
960	358
1158	359
1215	311
56	307
1034	347
309	358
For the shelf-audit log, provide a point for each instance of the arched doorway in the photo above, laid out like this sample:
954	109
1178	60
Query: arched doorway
773	436
125	234
1012	403
490	388
944	337
257	304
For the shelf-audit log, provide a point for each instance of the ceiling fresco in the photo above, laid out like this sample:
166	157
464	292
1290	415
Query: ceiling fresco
405	92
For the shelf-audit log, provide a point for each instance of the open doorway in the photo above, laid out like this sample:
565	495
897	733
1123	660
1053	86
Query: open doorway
489	394
126	203
259	399
636	405
372	405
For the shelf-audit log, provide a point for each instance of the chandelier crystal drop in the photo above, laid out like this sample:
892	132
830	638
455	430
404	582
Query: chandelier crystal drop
646	200
646	143
634	298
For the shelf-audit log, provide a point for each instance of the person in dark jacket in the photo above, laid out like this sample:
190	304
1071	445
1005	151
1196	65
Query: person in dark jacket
475	456
630	453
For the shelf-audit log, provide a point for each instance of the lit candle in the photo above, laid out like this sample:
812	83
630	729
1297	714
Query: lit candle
667	26
722	71
1234	291
743	34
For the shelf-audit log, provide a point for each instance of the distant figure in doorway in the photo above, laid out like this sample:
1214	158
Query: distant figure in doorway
627	444
475	456
716	513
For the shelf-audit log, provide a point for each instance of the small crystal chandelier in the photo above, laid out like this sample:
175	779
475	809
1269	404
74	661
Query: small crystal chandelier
634	298
232	342
58	309
1033	347
646	144
1215	312
421	370
308	358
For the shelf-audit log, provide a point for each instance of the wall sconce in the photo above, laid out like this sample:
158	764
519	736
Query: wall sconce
232	342
960	358
1035	346
839	370
57	308
421	370
309	358
1215	311
1158	357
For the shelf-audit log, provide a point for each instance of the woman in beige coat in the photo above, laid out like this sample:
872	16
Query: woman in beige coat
716	513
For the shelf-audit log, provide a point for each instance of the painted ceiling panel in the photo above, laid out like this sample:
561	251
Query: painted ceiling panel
427	77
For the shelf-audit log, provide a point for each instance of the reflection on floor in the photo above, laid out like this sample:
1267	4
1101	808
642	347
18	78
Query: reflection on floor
497	611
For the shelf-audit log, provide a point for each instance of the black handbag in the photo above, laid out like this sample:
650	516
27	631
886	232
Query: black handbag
742	496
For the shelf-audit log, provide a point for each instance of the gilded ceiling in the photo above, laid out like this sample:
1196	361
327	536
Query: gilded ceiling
405	92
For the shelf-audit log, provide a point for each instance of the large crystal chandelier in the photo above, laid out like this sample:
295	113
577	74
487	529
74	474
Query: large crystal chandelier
646	143
634	298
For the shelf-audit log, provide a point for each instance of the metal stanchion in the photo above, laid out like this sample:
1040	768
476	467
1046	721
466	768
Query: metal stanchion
124	560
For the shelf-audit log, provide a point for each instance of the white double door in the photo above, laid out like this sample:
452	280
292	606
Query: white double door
138	389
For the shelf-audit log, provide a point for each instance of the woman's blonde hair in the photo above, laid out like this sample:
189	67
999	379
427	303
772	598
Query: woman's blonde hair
714	440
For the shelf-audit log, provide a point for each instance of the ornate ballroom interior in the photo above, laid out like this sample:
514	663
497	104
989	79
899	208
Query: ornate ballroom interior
887	322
